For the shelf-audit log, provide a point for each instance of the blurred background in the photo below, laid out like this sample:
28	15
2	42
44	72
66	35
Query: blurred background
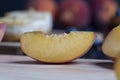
58	16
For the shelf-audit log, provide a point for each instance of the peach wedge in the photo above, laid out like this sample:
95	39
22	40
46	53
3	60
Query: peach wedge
117	67
56	48
111	44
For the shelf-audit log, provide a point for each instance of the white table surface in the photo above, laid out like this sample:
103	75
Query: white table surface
13	67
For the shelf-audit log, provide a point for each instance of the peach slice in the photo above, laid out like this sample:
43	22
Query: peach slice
56	48
111	45
2	30
117	68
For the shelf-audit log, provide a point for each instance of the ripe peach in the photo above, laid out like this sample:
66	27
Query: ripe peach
104	10
43	5
74	13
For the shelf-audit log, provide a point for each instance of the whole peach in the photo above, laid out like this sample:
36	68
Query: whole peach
104	10
43	5
74	13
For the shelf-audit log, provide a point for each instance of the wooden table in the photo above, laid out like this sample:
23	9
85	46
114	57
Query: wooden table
13	67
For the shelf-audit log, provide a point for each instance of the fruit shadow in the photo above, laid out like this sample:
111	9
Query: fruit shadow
27	62
105	65
42	63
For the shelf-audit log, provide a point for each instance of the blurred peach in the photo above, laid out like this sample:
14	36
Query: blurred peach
74	13
104	10
43	5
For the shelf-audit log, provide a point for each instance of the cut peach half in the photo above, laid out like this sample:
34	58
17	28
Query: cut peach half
56	48
111	44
